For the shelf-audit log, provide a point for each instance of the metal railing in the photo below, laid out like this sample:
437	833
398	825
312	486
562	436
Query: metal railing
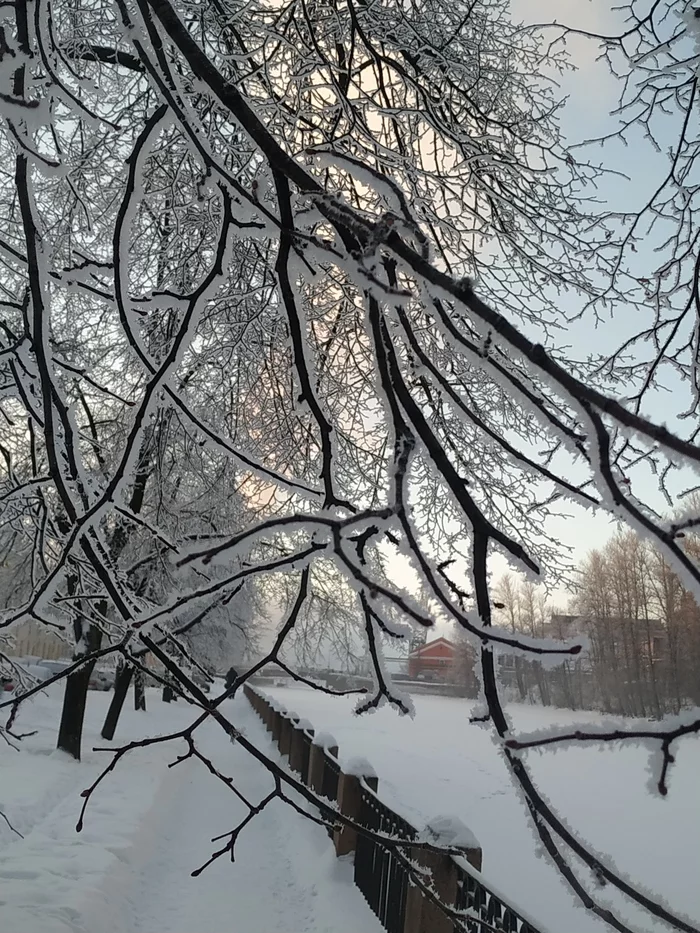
381	877
306	740
331	776
473	895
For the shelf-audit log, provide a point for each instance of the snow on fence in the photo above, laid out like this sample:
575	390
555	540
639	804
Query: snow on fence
383	873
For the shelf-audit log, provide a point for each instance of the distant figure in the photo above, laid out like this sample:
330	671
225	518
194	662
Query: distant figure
231	677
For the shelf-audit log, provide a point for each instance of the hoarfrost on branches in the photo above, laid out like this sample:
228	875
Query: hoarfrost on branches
281	295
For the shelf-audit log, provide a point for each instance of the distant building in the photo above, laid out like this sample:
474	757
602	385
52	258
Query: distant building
563	626
434	660
30	639
396	665
647	636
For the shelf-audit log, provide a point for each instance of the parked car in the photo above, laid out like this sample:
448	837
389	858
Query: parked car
37	671
101	680
54	667
428	676
42	670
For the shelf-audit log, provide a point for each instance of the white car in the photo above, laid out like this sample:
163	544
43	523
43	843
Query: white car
37	671
53	667
100	679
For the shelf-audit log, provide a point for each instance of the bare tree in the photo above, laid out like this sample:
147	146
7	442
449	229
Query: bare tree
320	249
643	628
507	593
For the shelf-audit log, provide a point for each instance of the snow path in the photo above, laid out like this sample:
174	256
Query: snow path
285	878
54	878
148	826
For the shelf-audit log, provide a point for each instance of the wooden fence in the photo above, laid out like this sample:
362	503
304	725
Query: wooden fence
383	873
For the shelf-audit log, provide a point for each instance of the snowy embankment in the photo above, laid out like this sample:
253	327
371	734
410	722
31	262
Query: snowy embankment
55	880
148	827
439	763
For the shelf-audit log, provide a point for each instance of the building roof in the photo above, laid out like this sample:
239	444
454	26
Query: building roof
429	646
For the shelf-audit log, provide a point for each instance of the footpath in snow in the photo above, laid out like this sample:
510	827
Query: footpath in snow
149	827
285	878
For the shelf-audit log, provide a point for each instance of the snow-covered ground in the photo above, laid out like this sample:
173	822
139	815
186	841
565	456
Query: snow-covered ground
438	763
148	827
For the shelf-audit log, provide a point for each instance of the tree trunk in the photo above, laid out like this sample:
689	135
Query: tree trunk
119	539
541	681
73	714
70	731
522	690
653	685
121	688
139	692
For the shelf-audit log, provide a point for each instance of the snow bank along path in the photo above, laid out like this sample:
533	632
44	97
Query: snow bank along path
440	763
148	827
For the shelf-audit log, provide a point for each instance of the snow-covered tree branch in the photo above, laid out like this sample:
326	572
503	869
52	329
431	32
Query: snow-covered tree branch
282	292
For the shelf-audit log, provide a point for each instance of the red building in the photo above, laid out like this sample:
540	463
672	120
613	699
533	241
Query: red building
432	661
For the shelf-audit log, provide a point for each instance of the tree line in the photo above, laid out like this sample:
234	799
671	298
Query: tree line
642	626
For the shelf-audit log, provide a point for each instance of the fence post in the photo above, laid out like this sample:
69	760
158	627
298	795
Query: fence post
317	759
350	801
306	746
296	745
268	713
287	732
423	915
295	740
276	726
